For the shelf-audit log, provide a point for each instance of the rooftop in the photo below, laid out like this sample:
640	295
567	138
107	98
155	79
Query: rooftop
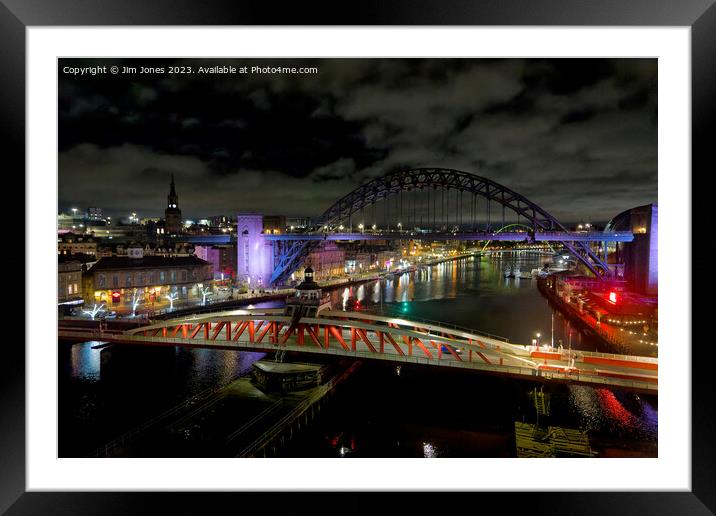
125	262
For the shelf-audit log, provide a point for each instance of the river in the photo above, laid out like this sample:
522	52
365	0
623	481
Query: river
382	410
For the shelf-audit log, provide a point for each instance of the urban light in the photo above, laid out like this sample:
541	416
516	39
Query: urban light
205	292
94	310
135	302
171	297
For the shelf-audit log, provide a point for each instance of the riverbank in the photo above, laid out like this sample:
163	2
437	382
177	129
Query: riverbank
587	324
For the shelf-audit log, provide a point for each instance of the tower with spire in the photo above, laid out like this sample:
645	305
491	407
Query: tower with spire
172	214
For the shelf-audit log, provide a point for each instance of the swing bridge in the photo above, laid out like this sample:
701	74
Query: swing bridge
360	335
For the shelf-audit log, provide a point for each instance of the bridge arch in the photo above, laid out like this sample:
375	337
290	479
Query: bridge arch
510	226
394	183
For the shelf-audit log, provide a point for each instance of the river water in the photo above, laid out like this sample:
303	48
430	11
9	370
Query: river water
382	410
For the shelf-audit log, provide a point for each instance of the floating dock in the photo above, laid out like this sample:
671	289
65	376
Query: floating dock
286	377
553	441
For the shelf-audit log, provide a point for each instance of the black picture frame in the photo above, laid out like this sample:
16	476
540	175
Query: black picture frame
17	15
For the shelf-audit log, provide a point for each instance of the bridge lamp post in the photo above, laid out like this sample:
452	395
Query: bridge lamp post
400	227
361	227
538	335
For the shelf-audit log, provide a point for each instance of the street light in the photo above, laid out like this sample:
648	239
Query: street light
361	227
400	227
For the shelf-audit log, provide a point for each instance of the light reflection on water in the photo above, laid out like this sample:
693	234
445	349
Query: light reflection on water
624	414
469	292
430	450
85	361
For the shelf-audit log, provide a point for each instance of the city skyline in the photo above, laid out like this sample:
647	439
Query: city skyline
577	137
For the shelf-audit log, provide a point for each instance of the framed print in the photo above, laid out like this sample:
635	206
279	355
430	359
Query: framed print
300	253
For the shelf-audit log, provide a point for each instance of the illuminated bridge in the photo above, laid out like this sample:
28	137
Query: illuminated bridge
367	336
506	236
429	204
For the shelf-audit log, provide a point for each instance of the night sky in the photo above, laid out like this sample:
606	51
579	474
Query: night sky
577	136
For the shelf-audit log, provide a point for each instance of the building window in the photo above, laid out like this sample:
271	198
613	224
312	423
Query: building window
128	279
115	280
183	275
75	288
174	276
162	276
69	289
101	281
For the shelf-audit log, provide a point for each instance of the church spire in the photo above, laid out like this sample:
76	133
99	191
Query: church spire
173	198
172	214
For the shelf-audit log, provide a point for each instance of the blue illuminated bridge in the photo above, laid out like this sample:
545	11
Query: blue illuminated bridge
433	204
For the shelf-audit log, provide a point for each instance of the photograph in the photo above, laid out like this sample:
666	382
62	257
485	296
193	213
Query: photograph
357	257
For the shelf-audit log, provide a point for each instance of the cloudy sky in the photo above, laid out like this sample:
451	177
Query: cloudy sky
578	137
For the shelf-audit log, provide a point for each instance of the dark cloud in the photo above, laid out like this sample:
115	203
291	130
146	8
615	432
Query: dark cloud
577	136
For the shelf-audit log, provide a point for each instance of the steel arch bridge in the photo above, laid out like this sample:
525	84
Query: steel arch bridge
394	183
510	226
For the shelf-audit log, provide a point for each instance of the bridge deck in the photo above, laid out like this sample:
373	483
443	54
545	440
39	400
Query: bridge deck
507	236
360	335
